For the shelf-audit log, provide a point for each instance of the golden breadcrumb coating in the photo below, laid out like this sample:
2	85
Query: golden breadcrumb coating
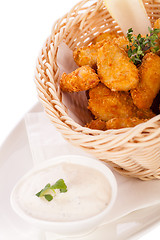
149	85
117	123
106	104
106	35
86	56
145	113
115	69
81	79
97	124
122	42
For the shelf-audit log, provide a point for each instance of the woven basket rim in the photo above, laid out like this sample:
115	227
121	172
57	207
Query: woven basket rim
90	131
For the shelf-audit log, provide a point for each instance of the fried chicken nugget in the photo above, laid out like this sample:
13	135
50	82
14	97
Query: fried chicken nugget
117	123
81	79
149	85
97	124
122	42
106	35
86	56
106	104
115	69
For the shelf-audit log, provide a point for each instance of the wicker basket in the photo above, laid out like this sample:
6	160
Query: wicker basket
133	152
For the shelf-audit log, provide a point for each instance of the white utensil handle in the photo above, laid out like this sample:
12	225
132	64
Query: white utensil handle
129	14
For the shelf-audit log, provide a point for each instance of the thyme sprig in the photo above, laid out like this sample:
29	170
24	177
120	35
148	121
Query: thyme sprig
139	45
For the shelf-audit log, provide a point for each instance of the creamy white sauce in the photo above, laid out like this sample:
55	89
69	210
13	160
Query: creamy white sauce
88	193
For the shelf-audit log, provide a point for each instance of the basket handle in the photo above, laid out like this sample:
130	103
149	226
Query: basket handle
129	14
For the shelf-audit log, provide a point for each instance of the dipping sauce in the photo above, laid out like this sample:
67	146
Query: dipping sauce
88	194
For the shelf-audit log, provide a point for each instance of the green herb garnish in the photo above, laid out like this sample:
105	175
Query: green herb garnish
49	190
139	45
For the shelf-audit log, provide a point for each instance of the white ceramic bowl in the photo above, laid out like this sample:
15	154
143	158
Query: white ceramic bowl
70	228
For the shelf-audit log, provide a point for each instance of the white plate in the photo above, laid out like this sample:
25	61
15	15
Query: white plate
16	160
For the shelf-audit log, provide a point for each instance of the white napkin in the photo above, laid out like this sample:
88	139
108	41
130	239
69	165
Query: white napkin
46	142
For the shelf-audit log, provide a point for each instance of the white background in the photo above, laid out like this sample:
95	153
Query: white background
24	27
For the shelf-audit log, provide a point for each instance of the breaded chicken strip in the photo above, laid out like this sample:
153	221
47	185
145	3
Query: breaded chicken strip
122	42
117	123
86	56
81	79
106	104
106	35
115	69
97	124
149	85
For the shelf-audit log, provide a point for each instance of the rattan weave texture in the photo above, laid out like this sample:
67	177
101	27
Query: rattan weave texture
133	152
